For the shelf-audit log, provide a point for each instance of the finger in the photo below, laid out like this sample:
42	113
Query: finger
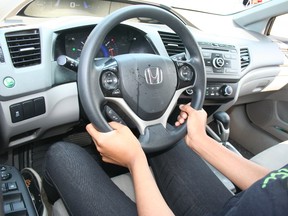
98	137
180	122
180	119
92	130
177	123
116	125
186	108
184	115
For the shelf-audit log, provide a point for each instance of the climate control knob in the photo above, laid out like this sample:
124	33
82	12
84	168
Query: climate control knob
226	90
218	62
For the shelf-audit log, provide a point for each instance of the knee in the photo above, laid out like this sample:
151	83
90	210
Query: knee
53	168
60	154
57	150
59	158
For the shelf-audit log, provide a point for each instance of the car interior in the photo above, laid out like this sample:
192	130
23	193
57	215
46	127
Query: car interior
64	64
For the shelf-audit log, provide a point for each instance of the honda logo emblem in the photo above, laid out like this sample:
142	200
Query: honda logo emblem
153	75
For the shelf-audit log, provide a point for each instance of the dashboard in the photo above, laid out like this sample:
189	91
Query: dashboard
38	91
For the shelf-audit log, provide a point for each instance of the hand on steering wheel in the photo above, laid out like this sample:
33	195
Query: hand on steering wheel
114	144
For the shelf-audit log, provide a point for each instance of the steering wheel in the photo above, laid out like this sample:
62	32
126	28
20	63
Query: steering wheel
145	87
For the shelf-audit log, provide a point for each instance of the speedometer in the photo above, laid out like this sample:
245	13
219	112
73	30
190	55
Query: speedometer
74	43
109	48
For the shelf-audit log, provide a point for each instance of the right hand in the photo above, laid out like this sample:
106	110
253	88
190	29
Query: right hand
196	124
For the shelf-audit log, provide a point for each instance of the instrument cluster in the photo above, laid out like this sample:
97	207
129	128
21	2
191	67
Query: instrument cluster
121	40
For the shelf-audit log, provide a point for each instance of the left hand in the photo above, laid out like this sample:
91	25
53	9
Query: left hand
119	146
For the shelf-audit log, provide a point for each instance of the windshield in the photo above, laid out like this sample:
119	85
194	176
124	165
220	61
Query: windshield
101	8
211	6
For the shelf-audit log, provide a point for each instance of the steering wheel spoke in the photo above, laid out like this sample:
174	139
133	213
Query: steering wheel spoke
141	124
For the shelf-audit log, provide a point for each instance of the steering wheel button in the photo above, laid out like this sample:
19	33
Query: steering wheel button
185	73
115	118
109	80
116	92
114	69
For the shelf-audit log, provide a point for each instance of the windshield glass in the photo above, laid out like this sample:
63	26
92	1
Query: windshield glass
101	8
211	6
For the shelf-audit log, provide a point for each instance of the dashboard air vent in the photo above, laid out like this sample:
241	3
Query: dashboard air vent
172	43
24	47
245	58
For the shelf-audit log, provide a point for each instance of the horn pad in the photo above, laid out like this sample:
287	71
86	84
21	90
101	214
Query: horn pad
147	83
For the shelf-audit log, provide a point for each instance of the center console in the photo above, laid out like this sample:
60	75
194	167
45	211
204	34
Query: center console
223	67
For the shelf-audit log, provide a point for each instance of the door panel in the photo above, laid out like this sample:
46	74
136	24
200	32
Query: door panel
271	115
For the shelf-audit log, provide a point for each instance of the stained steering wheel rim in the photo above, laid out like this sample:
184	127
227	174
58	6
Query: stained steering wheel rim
156	137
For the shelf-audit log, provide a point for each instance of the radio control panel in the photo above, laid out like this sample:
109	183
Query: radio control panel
220	58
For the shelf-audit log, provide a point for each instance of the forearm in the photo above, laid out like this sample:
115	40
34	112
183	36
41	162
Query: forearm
239	170
149	200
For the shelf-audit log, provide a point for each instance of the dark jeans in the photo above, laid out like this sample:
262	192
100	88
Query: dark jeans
185	181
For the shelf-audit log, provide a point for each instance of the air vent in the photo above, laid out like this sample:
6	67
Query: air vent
245	58
172	43
24	47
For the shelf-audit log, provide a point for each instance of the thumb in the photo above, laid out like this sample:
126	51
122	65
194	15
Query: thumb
92	130
116	125
186	108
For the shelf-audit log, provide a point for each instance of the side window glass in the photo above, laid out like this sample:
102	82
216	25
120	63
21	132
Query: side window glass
279	29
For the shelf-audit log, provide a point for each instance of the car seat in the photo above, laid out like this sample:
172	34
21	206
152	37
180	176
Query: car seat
273	158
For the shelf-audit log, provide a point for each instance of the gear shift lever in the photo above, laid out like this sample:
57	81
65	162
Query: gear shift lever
223	121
